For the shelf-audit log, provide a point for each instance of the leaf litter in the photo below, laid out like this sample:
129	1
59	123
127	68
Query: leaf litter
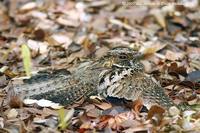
60	34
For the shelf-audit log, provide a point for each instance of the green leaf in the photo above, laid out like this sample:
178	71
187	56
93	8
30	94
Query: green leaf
26	57
64	117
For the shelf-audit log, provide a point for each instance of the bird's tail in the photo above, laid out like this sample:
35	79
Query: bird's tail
58	86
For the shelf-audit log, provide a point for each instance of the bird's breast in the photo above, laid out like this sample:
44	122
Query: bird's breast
109	79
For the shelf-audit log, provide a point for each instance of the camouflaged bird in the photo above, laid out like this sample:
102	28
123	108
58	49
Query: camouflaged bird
117	74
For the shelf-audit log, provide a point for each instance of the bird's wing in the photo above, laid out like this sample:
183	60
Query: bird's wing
130	88
140	86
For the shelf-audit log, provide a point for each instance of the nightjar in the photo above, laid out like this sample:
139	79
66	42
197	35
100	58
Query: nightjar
119	74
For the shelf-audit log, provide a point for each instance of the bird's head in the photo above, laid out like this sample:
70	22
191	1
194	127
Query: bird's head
123	57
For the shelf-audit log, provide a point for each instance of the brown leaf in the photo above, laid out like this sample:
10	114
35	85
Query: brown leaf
15	102
193	50
67	22
151	47
93	113
173	56
177	69
182	21
189	84
103	121
155	109
89	46
39	34
126	116
4	22
139	13
137	105
160	16
156	113
104	105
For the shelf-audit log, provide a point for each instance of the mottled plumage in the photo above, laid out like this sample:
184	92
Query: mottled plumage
117	74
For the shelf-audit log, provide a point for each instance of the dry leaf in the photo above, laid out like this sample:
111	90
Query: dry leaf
104	105
137	105
121	24
28	6
155	109
15	102
160	16
151	47
174	111
12	114
156	114
66	22
38	46
173	56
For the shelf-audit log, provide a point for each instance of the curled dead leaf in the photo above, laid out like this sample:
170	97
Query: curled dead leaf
156	114
137	105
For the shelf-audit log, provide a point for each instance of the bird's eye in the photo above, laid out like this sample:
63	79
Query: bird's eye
122	56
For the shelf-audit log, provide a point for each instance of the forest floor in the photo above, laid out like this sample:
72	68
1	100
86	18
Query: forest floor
61	33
